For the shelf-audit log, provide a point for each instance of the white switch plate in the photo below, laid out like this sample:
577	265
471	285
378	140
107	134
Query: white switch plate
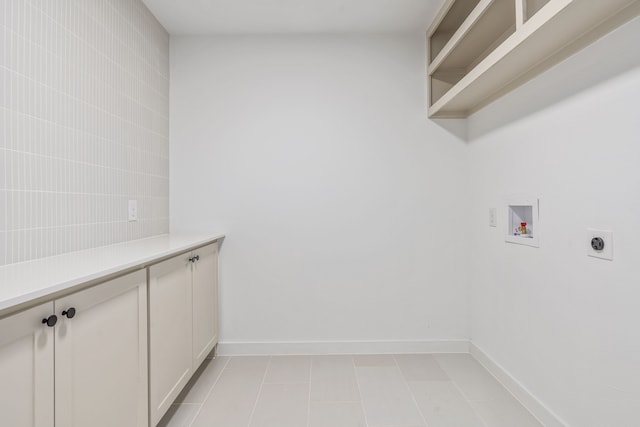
133	210
493	220
607	236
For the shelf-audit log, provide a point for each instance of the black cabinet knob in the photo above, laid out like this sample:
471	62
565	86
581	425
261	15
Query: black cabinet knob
70	312
194	258
50	321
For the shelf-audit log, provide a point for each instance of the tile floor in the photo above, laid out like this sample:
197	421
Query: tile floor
422	390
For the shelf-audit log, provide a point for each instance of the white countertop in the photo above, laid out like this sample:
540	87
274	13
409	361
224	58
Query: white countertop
30	282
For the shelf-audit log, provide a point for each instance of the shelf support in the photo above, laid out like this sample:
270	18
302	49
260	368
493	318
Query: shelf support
520	5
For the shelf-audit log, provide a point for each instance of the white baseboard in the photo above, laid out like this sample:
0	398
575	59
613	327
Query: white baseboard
342	347
545	415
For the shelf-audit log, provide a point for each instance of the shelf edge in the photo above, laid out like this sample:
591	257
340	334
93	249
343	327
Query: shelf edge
496	56
460	33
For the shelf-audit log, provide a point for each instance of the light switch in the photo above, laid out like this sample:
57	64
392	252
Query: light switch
493	220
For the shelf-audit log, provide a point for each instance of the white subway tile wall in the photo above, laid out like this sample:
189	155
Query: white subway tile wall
84	125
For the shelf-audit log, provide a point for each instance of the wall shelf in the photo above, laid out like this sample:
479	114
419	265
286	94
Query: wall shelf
449	25
531	7
500	44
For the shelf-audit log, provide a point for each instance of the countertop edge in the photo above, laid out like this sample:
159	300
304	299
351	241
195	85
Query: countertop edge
10	304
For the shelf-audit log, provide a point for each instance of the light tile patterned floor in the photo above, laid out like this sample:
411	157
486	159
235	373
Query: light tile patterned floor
422	390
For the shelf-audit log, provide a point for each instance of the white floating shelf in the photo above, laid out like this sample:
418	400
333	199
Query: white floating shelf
500	44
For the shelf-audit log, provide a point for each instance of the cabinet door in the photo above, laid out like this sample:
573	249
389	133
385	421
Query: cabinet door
101	355
205	302
170	343
26	369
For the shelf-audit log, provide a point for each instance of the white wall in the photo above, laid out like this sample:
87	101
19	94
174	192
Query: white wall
84	125
564	324
341	201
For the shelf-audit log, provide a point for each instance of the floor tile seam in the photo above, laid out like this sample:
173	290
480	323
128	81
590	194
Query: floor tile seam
287	382
413	397
197	380
509	392
435	359
255	404
398	365
481	400
461	391
309	395
395	362
355	375
484	401
393	425
210	390
469	402
464	395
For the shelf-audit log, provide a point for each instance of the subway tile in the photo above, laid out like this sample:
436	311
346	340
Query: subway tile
3	201
3	248
76	125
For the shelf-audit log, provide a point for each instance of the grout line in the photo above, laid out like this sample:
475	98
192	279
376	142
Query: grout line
413	397
255	405
355	374
469	402
83	100
210	390
464	395
103	55
503	385
396	365
34	155
309	396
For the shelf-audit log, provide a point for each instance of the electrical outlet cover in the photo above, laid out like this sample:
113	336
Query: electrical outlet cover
607	236
132	212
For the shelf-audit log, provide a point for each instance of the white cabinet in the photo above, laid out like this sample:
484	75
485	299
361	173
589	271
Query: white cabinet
205	302
183	322
481	49
99	360
170	361
101	355
26	368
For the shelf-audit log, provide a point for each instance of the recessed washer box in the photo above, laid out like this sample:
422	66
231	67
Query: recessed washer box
523	225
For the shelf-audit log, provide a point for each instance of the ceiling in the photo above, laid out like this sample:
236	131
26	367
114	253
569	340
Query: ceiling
181	17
